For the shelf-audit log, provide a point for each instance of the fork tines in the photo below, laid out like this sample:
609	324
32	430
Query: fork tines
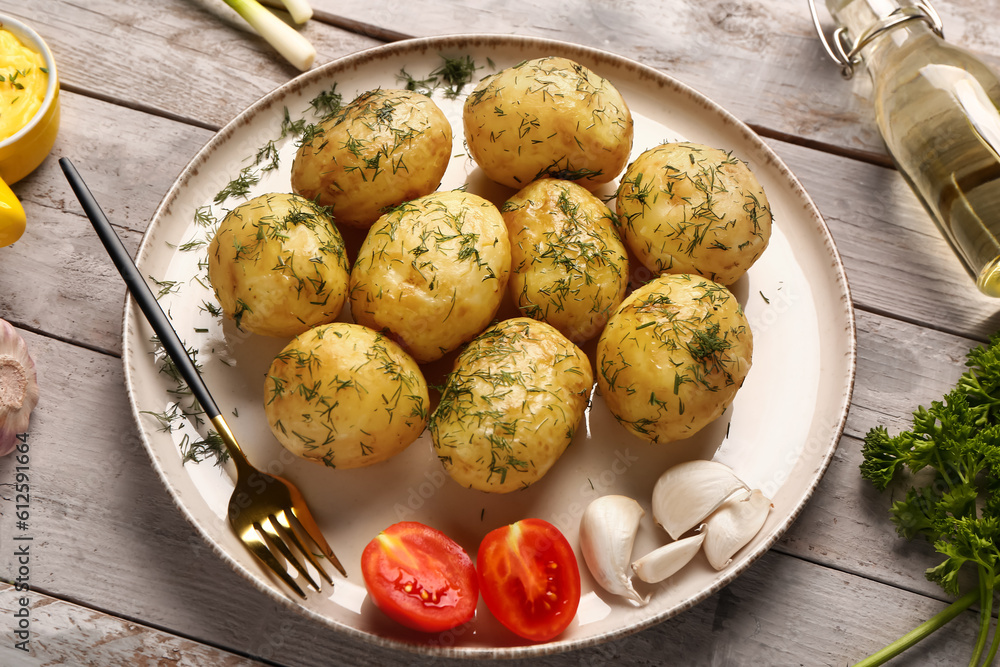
279	530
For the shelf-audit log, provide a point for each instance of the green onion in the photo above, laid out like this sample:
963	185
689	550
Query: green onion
300	10
284	38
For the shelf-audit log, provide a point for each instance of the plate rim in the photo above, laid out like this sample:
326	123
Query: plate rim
131	316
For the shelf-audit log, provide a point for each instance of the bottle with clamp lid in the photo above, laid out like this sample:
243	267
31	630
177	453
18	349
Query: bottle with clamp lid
938	108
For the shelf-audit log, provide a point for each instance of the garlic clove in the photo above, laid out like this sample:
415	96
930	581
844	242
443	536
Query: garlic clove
607	532
733	525
18	387
665	561
688	492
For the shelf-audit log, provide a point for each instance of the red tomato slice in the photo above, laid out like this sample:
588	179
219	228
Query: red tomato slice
529	578
420	577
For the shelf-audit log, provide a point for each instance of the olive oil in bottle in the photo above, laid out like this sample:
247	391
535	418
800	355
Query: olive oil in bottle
938	108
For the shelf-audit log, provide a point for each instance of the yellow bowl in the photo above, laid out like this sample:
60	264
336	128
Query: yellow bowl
24	150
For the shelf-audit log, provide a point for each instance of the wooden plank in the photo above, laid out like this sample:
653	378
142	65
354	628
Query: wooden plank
846	524
900	367
794	88
816	598
898	263
200	61
769	617
78	271
196	60
736	626
129	159
57	632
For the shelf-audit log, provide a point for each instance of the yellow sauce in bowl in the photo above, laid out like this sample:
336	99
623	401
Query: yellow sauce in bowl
23	82
29	116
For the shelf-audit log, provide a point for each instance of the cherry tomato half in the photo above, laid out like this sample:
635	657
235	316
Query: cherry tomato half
529	578
420	577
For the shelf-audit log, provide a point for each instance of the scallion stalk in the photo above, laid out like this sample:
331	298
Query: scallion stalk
300	10
283	37
921	631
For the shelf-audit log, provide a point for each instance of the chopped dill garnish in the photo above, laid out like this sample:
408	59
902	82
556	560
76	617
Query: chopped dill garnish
268	156
197	451
328	102
290	127
452	76
211	308
422	86
239	186
165	287
455	73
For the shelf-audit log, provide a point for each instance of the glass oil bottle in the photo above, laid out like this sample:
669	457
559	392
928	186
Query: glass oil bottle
938	108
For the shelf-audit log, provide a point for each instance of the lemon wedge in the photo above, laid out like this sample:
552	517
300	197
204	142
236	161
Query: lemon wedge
12	218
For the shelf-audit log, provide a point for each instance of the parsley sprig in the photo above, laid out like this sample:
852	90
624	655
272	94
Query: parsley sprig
955	501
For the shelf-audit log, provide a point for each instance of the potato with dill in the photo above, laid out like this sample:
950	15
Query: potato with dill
510	406
690	208
345	396
432	273
673	356
568	266
384	148
278	265
548	117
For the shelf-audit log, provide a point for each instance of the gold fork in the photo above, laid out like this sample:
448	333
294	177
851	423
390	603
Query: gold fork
267	512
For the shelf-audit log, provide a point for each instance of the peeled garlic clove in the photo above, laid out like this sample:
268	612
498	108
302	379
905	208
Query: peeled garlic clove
18	387
734	524
607	533
688	492
661	563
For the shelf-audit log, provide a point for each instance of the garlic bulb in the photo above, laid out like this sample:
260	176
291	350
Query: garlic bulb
661	563
607	533
688	492
18	387
733	525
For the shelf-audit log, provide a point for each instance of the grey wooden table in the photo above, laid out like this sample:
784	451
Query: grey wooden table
118	577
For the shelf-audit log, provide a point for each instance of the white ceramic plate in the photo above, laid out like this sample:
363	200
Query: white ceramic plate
779	435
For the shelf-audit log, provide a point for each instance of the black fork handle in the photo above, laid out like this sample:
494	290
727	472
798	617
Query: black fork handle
140	291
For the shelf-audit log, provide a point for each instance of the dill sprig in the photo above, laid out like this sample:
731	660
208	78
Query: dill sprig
209	447
239	186
327	103
451	75
185	410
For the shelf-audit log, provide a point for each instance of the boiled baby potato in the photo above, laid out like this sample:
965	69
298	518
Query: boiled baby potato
510	405
384	148
568	266
548	116
345	396
689	208
672	356
432	272
278	265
